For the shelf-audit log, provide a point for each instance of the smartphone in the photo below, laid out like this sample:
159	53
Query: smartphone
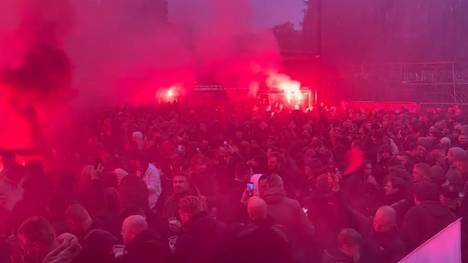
118	250
250	188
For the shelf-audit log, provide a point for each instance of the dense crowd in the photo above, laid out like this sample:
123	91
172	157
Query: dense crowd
230	184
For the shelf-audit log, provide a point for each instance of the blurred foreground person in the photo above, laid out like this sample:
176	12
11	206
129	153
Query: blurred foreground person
427	217
140	244
201	234
260	241
98	247
350	249
384	237
38	241
289	213
78	220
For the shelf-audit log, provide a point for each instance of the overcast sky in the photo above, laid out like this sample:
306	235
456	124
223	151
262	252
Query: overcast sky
273	12
267	13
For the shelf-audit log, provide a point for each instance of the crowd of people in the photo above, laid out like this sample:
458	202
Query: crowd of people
234	184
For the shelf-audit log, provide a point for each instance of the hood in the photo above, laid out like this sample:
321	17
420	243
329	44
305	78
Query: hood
274	195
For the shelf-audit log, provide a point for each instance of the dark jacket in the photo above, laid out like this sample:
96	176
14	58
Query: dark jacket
199	242
336	256
299	230
133	193
329	215
146	248
258	243
287	212
97	247
385	247
388	247
360	194
424	221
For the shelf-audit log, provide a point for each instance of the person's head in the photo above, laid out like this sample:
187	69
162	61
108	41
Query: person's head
98	246
419	151
257	209
421	171
445	142
461	166
274	162
349	242
456	154
437	175
384	219
425	191
462	139
267	182
36	238
190	206
449	196
180	184
394	185
78	219
133	226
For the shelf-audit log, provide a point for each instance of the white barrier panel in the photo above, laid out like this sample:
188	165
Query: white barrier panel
445	247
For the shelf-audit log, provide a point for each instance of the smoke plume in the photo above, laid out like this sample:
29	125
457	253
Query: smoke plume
86	54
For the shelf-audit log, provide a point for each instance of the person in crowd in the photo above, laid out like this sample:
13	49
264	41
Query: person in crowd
36	195
438	175
78	220
456	155
422	172
133	193
450	197
37	239
211	151
181	187
361	189
231	208
260	241
109	218
140	244
395	189
333	216
11	181
97	247
151	176
427	217
201	234
384	238
91	187
289	213
350	249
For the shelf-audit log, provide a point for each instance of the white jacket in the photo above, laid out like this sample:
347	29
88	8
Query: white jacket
152	179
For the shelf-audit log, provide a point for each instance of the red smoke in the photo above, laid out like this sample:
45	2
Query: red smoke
99	53
35	77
